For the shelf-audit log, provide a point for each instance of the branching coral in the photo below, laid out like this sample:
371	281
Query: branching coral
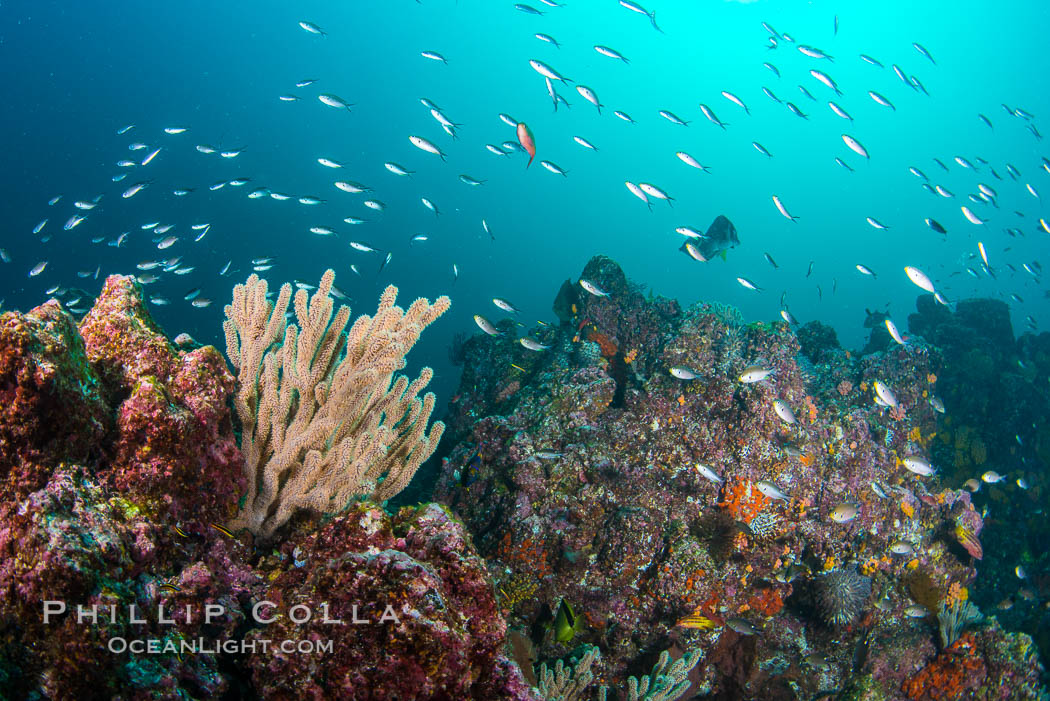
322	422
565	683
666	682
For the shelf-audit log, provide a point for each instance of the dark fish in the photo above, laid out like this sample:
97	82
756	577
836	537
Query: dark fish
985	120
938	162
386	261
720	237
810	271
770	260
860	652
935	225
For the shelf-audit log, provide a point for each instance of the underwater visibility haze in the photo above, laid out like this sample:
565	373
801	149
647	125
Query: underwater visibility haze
727	372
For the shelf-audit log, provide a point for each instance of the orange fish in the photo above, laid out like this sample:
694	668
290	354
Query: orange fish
527	141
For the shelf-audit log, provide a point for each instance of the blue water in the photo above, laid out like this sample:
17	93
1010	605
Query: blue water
77	72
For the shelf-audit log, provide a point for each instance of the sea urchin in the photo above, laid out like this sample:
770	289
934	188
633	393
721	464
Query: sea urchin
840	595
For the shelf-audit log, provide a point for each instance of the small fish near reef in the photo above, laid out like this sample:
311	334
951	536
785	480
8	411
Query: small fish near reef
918	465
696	621
741	626
683	373
844	513
707	473
566	624
754	373
772	491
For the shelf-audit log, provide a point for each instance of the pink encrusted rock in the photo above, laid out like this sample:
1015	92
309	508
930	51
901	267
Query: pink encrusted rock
51	406
174	449
71	542
448	637
123	342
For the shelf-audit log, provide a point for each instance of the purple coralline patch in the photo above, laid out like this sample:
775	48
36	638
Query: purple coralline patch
175	449
51	407
68	543
583	486
444	635
123	342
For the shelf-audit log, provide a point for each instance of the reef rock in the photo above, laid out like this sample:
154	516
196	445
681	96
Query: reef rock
705	513
51	405
118	467
418	614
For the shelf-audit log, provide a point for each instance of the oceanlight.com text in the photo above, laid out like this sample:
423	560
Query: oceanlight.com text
200	646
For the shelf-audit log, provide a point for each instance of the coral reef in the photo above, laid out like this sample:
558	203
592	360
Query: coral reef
953	617
51	407
119	466
778	529
693	513
996	420
666	682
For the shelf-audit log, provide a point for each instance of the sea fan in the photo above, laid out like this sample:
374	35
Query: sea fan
952	619
841	595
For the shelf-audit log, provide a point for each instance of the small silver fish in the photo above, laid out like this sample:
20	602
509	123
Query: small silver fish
707	473
504	305
754	373
593	288
918	465
844	513
486	325
772	491
334	101
783	411
532	344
